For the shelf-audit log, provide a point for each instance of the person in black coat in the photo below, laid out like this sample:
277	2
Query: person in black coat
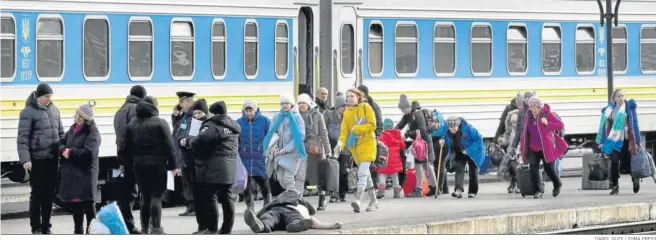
181	121
215	150
149	144
79	167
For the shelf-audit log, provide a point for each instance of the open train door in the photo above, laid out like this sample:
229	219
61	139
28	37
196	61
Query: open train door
306	51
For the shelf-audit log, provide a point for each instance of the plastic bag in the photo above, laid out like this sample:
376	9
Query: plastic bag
96	227
242	177
110	215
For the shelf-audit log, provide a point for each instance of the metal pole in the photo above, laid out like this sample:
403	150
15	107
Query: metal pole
609	47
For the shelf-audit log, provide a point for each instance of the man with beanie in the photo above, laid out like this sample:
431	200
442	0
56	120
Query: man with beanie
322	100
129	191
181	119
333	120
465	146
254	127
39	133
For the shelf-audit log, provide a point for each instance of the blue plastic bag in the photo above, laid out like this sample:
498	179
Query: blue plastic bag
110	216
351	140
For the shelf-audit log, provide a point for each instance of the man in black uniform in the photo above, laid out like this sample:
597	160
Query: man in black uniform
181	119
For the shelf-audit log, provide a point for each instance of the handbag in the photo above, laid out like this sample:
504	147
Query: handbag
419	148
313	145
598	169
352	138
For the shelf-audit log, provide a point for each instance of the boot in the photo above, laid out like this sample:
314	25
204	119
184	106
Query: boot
397	191
267	199
615	190
373	201
322	201
358	198
145	228
457	193
636	185
189	211
253	222
431	191
157	231
381	191
78	230
416	193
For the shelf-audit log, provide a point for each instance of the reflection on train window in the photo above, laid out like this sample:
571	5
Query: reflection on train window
585	50
551	50
182	50
282	49
96	49
405	47
444	48
49	48
250	49
348	49
481	49
218	49
7	48
140	50
648	49
375	53
619	49
516	50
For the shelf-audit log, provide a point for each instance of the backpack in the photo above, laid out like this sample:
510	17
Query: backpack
561	133
382	153
431	121
419	148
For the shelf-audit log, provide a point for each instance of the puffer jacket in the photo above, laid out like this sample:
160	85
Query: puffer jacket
395	144
553	145
503	128
79	173
471	141
216	149
123	116
251	139
39	131
365	147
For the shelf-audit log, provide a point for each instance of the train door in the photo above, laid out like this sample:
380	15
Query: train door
345	51
305	53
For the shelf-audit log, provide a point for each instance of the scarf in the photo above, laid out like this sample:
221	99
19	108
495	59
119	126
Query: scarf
297	137
614	138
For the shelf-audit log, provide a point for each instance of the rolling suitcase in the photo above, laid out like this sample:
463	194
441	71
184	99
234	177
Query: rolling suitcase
586	183
525	182
328	176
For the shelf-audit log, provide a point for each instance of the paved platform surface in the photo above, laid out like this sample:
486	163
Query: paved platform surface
492	200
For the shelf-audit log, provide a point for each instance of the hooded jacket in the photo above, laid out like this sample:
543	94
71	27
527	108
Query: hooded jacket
215	150
395	143
471	140
553	146
379	117
502	122
123	116
251	138
39	131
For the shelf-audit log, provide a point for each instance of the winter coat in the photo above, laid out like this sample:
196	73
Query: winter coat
471	140
395	144
502	121
286	202
365	147
416	120
181	127
79	173
322	106
251	137
148	140
512	118
634	130
39	131
553	146
315	125
215	149
443	125
286	139
123	116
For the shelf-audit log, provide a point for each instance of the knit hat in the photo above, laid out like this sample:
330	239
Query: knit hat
201	105
218	108
85	111
388	124
138	91
535	101
249	104
304	98
404	102
340	101
453	122
43	89
287	98
529	94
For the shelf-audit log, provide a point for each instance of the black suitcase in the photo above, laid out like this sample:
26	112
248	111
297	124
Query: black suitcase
525	182
329	174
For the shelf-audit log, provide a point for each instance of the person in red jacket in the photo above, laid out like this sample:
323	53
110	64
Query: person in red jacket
393	139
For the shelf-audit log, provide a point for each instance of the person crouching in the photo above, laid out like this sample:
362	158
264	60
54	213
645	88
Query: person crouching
465	146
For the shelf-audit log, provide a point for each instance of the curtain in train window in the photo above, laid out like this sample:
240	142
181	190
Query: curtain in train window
282	52
551	49
218	49
49	48
585	50
516	50
348	49
619	49
444	49
7	48
481	49
405	47
96	49
375	50
140	50
250	49
648	49
182	50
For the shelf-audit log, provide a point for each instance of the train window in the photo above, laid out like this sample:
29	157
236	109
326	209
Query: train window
375	49
585	50
7	48
95	50
140	50
444	49
182	49
619	49
405	47
218	49
551	50
282	49
481	50
50	48
648	49
516	50
250	49
348	49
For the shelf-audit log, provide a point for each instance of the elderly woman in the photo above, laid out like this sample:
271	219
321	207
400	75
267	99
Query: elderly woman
358	134
287	149
619	136
79	167
317	144
541	143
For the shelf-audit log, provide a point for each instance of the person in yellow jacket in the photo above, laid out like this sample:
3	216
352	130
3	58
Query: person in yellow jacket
357	133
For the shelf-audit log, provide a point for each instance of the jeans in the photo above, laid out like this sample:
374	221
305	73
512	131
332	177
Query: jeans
534	159
43	181
461	161
207	216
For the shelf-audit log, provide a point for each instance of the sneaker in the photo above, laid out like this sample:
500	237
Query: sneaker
457	194
471	195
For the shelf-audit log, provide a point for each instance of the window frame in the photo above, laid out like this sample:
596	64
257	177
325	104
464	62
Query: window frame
594	47
355	55
193	48
471	44
382	54
257	53
109	48
624	41
15	39
642	27
223	39
416	41
542	42
525	41
36	46
152	46
444	40
277	40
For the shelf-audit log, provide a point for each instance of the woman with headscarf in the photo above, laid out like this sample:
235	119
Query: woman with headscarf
79	167
358	134
619	136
